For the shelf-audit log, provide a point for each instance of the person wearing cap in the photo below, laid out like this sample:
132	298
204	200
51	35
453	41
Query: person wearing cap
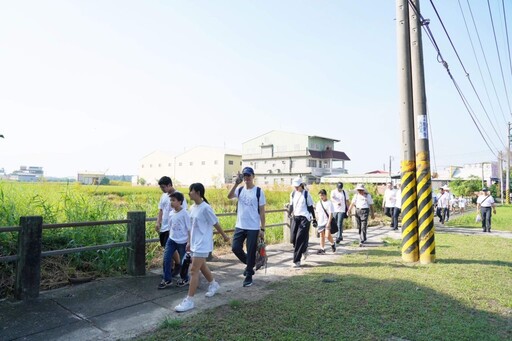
340	202
250	221
442	204
485	203
303	212
363	203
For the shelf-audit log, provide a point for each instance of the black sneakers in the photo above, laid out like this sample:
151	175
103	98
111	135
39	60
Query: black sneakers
333	247
248	281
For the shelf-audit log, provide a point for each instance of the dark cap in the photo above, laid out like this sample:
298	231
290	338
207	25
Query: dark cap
485	189
340	185
248	171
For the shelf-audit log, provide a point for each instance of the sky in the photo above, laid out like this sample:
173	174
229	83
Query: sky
97	85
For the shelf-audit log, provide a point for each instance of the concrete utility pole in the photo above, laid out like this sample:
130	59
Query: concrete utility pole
507	191
408	165
423	175
500	170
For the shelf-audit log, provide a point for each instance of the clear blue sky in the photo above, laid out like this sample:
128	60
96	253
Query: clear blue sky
97	85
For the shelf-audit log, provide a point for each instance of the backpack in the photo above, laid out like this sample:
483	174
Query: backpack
310	209
258	194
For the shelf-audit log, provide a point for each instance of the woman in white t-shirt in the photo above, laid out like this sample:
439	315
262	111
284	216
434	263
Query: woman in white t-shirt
200	244
324	212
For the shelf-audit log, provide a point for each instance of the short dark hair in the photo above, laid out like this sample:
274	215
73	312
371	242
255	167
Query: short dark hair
178	196
165	180
323	191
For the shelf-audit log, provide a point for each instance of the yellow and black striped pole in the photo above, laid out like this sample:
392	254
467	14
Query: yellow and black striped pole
409	213
423	178
408	164
425	209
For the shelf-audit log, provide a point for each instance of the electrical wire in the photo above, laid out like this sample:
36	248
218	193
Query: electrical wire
466	72
506	33
499	57
445	64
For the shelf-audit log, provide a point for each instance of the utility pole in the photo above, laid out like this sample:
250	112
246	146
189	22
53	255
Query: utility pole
483	184
410	252
426	234
507	191
500	170
390	175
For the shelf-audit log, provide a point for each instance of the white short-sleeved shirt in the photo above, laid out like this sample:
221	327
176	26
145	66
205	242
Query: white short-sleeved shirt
485	201
300	206
165	206
248	217
398	197
462	202
389	197
443	200
339	200
201	232
179	223
362	201
321	217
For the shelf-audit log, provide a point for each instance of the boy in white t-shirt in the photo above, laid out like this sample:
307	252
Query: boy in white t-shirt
179	223
324	213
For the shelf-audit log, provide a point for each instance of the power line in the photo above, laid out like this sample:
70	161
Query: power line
465	71
478	64
506	33
486	63
440	58
499	57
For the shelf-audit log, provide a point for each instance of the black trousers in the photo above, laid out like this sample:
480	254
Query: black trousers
300	237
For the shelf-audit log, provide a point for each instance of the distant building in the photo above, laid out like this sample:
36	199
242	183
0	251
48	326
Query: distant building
209	165
90	178
488	171
27	174
277	157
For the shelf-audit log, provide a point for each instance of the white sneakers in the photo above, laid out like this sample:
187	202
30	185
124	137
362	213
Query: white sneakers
212	289
188	303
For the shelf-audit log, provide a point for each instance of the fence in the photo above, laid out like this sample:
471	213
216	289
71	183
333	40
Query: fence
29	252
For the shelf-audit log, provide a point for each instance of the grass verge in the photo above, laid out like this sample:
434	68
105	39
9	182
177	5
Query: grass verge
501	221
372	295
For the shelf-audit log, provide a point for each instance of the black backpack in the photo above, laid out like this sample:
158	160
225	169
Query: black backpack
310	209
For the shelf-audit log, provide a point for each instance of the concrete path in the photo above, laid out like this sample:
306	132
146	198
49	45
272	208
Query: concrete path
124	307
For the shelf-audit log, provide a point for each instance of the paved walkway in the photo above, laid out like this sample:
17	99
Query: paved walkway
124	307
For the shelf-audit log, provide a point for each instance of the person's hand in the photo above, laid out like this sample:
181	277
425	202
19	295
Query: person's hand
238	179
187	248
494	211
157	228
262	234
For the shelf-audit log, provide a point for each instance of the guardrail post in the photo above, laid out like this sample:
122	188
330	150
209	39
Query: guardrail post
28	267
287	234
136	234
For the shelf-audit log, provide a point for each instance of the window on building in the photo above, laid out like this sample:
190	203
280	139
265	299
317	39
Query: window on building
150	166
230	162
312	163
203	163
159	165
142	166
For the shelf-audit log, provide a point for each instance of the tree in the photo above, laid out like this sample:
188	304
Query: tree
466	187
141	181
105	181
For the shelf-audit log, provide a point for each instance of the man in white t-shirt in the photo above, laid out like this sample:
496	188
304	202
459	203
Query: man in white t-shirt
250	220
164	210
442	204
340	202
485	203
363	203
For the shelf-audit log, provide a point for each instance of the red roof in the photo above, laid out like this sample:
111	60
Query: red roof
329	154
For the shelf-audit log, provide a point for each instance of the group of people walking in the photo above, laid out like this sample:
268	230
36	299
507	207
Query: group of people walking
188	234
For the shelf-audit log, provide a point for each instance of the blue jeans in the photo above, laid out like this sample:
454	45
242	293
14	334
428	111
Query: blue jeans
170	247
339	216
486	212
396	214
237	247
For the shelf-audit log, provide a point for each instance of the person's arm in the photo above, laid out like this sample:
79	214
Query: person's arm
159	220
372	213
262	221
221	232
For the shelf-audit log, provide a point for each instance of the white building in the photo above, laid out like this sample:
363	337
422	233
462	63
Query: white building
277	157
207	165
90	178
488	171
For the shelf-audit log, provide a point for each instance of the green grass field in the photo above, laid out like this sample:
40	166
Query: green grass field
373	295
501	221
